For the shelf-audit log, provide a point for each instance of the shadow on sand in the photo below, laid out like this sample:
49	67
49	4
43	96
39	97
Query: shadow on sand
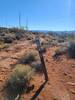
38	91
15	95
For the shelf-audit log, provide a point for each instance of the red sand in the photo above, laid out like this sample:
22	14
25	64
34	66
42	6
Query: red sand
61	73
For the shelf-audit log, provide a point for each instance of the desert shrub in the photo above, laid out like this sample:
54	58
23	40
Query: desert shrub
71	50
3	46
45	44
9	38
53	43
37	66
20	77
18	35
59	51
61	40
32	58
2	34
28	57
1	39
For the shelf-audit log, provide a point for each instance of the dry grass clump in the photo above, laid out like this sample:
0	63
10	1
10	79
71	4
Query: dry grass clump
32	58
68	50
59	51
29	57
3	45
20	77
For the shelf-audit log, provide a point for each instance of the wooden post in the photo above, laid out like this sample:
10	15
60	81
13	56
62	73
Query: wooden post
37	41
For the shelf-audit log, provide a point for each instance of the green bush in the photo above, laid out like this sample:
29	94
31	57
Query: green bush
20	77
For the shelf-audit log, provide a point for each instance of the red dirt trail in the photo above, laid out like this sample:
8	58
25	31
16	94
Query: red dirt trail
61	73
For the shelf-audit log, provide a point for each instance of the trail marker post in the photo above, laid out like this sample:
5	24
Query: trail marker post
37	41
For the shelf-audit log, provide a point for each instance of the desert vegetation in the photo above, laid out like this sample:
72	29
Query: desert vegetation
20	77
21	70
71	50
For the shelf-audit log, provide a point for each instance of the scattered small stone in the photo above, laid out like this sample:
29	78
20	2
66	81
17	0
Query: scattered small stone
55	99
46	60
65	73
73	66
72	91
48	83
70	83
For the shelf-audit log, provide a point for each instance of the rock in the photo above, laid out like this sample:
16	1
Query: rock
70	83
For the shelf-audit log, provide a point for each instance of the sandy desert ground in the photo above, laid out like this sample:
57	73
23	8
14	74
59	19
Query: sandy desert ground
61	73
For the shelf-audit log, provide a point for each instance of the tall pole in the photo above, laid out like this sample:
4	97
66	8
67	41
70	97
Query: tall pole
19	20
26	23
41	57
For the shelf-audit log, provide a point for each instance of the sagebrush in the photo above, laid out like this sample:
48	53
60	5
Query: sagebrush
20	77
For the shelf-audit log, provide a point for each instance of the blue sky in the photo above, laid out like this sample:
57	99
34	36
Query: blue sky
41	14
